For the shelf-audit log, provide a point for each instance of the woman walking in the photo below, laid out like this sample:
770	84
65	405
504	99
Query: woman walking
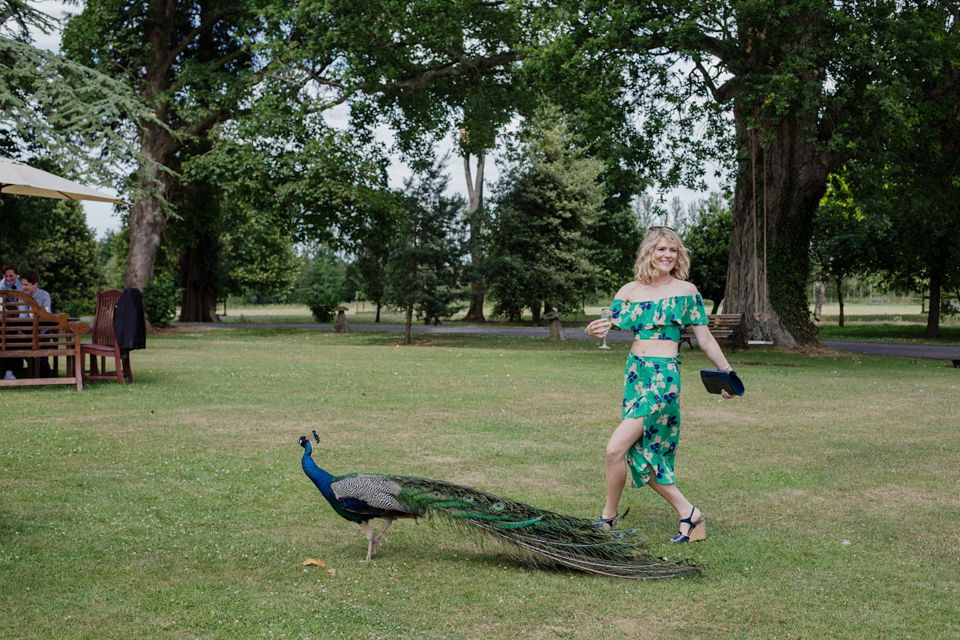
656	306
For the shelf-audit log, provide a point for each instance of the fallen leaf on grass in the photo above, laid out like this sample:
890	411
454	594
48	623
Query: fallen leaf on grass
310	562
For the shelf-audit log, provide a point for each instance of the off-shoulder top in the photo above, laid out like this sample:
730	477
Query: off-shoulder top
662	319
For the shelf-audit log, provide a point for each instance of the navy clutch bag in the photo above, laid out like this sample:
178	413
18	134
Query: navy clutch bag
716	381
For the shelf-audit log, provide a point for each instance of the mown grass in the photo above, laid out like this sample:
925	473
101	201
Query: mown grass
884	332
176	507
886	323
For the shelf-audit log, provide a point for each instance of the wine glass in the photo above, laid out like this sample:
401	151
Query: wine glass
607	316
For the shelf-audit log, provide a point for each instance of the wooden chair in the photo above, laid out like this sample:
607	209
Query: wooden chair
104	343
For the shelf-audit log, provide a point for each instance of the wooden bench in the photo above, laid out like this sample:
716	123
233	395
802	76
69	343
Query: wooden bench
721	325
28	331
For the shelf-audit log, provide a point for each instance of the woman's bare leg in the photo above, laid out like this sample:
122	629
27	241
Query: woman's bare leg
623	437
672	494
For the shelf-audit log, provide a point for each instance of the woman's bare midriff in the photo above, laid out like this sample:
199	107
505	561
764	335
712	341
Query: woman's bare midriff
655	348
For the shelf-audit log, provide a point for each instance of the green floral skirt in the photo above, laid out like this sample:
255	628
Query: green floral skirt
651	392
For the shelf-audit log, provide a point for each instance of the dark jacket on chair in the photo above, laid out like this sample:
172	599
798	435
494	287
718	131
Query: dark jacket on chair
129	325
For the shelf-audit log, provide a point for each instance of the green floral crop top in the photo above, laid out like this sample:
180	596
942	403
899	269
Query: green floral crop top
662	319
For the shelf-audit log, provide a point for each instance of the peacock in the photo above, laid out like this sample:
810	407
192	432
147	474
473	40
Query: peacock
543	537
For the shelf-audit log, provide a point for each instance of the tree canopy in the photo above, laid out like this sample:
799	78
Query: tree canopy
912	188
782	93
788	90
193	72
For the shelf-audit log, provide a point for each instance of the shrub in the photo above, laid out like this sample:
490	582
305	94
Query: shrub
321	302
160	299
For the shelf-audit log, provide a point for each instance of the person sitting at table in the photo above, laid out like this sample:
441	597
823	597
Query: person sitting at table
11	281
29	280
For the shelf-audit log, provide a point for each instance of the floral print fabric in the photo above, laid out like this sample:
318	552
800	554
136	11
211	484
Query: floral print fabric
651	391
662	319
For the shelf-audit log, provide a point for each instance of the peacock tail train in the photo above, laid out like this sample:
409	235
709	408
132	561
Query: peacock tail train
543	537
569	541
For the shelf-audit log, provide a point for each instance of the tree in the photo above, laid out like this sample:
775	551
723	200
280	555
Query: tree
912	188
844	242
424	68
372	241
112	253
193	73
613	239
194	242
274	177
807	84
324	289
708	240
539	255
258	254
425	263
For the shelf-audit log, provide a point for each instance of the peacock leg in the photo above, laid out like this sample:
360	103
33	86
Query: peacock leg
371	544
377	538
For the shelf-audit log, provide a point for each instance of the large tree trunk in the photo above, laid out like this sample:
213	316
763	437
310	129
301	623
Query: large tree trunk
198	278
145	226
475	213
147	219
198	235
162	146
779	186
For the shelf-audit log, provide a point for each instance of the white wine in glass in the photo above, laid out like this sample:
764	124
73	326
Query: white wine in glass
607	316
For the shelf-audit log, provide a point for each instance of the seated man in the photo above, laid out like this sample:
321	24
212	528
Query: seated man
29	281
10	278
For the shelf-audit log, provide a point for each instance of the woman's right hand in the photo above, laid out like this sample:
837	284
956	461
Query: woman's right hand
598	328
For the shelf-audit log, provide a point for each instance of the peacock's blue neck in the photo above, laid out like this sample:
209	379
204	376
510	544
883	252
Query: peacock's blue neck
319	477
323	480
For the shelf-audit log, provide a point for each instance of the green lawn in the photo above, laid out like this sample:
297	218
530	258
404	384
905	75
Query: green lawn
885	323
176	507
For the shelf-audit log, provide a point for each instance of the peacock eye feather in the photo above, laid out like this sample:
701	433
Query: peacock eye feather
469	498
497	506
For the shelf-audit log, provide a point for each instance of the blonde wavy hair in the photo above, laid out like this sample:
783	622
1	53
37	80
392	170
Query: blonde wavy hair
645	269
